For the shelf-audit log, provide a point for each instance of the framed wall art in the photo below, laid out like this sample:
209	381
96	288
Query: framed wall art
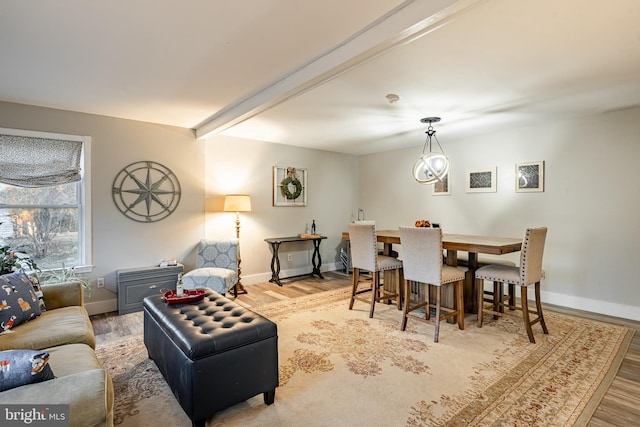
289	186
529	177
442	188
481	180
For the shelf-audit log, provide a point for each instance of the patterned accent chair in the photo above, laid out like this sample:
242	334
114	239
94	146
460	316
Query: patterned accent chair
216	266
365	258
529	273
422	261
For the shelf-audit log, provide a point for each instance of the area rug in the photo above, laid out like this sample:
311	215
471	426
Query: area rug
338	367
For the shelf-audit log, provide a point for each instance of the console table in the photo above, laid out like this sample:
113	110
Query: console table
275	242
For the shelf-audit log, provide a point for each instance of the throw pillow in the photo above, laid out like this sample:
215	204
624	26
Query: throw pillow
20	367
38	291
18	301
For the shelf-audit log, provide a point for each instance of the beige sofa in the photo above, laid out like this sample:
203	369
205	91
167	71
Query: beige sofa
65	332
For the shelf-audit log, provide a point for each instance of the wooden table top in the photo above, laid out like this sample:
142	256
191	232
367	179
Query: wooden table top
294	238
493	245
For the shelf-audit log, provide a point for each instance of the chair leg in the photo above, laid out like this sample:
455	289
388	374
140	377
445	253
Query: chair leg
497	295
398	290
460	302
539	309
375	289
525	313
426	289
438	294
386	274
480	298
512	296
405	311
354	286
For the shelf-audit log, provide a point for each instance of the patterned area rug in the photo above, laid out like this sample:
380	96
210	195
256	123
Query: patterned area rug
340	368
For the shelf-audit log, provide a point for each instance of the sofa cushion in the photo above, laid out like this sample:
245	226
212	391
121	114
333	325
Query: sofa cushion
21	367
89	395
80	382
58	295
18	301
71	359
67	325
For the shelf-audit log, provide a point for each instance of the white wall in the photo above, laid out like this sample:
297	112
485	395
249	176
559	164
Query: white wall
243	166
590	202
232	165
119	242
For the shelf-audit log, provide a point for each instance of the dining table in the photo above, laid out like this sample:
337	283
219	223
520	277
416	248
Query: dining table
454	243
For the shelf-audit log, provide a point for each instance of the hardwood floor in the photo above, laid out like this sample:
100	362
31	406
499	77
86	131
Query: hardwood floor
619	407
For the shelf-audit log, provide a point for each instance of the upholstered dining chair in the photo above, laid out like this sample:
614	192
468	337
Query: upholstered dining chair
216	267
365	258
528	273
422	264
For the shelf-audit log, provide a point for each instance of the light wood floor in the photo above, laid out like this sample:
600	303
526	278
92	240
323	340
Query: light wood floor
619	407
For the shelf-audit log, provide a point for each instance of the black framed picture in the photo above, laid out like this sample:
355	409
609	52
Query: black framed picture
481	180
530	177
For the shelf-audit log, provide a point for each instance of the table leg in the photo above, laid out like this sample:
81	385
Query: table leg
275	264
472	285
316	260
470	298
470	282
387	249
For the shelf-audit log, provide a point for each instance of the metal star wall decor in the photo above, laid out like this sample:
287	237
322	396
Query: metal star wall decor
146	191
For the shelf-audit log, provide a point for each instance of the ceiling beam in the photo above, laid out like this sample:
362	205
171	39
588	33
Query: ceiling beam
410	20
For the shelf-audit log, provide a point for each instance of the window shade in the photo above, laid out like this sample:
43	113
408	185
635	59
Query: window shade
38	162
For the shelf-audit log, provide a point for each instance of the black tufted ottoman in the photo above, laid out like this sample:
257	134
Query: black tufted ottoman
213	353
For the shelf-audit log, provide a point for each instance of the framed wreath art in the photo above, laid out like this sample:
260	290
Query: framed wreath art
289	186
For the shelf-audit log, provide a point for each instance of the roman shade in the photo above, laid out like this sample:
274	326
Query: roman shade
38	162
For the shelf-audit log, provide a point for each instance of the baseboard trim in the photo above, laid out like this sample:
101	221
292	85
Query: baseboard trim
569	301
594	306
252	279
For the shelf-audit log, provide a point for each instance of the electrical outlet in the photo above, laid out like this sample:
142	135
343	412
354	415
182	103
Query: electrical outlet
100	282
289	257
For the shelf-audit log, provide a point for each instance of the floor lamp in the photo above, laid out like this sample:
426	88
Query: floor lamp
238	203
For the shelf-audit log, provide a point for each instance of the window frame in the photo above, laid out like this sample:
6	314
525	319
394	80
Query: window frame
85	249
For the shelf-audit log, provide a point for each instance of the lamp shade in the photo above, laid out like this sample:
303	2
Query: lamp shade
431	166
237	203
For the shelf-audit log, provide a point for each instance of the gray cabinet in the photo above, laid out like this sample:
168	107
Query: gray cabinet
134	284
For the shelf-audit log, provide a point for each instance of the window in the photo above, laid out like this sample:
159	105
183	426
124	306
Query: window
50	224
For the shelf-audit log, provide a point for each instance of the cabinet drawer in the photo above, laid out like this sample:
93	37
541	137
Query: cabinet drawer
136	284
135	294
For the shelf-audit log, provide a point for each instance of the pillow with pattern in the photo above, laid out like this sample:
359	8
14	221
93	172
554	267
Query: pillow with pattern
18	301
20	367
38	291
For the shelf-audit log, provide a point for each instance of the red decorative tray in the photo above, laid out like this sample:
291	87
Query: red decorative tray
190	295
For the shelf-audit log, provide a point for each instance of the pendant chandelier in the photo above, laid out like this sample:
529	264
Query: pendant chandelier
431	166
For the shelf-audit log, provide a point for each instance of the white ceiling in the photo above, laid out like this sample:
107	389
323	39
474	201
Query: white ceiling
315	74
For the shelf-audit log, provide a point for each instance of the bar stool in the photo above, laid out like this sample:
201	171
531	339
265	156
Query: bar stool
422	263
365	258
529	273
